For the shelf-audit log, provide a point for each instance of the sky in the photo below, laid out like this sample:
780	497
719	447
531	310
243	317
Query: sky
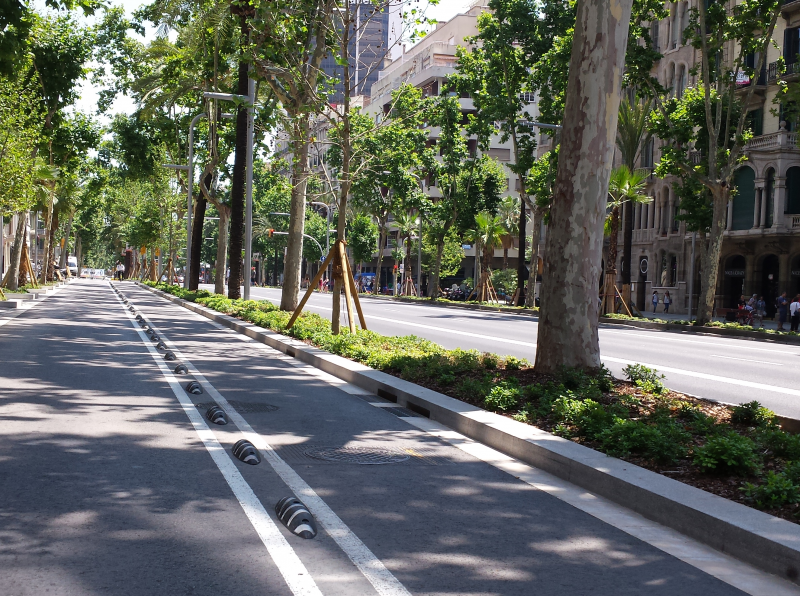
443	11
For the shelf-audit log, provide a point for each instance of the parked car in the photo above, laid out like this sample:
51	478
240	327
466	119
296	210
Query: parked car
72	264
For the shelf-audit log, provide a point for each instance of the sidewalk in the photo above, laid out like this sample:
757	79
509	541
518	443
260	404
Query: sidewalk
768	323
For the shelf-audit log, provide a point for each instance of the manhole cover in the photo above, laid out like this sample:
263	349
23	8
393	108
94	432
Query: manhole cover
356	455
246	407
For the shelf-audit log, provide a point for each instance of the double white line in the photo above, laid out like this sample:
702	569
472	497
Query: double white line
291	567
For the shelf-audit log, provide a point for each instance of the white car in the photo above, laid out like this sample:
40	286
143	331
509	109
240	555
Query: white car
72	263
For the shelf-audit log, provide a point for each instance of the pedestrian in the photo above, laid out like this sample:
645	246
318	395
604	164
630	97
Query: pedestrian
761	310
120	271
667	301
794	311
782	305
655	300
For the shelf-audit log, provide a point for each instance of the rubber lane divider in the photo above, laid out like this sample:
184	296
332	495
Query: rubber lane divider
764	541
370	566
288	563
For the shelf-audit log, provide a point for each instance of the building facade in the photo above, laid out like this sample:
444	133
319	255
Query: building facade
427	65
761	246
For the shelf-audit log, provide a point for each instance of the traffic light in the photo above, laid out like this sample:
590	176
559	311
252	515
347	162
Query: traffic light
269	232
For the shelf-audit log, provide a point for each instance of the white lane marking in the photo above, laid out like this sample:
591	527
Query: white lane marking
699	375
712	340
501	340
733	572
746	360
384	582
289	564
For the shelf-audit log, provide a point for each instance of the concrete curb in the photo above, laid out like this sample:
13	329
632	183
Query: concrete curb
740	333
481	307
766	542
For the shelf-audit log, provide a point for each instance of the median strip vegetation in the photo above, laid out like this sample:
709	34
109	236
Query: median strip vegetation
739	453
713	324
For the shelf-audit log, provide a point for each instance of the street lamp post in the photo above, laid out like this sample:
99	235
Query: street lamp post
419	257
189	169
250	99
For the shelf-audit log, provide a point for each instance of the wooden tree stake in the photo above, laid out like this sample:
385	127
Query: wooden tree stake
347	296
352	281
312	285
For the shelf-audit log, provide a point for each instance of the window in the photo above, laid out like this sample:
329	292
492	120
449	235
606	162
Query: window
654	27
755	121
744	201
788	114
499	153
770	197
791	45
793	191
647	154
527	97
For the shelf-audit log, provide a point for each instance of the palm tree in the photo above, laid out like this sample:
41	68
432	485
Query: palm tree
508	212
632	135
625	185
487	234
406	223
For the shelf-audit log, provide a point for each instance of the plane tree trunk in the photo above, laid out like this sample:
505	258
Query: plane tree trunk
567	334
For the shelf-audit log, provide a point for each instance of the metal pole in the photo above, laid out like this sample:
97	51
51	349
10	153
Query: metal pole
189	183
248	218
691	275
419	259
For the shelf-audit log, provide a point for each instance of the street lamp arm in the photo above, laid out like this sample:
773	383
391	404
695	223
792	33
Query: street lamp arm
314	240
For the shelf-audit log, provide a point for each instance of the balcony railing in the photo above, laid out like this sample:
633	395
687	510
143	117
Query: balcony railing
777	140
795	222
791	68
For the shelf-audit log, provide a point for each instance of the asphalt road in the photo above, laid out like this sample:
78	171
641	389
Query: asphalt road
113	483
730	370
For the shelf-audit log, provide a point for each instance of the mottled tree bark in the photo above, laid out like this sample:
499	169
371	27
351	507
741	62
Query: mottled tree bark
16	251
709	264
290	293
567	333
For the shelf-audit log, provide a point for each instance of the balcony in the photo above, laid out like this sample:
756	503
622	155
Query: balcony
790	7
781	140
791	69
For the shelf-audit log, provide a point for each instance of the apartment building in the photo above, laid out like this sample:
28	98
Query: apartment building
761	246
427	65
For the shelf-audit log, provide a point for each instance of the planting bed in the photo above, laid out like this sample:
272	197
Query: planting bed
739	453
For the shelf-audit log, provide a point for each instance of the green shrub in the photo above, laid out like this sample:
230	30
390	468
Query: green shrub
647	379
513	363
490	361
664	443
776	491
752	414
474	390
727	453
504	396
586	415
780	443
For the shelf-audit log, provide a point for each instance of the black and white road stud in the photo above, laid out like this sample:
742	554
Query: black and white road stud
244	451
181	370
296	516
216	415
161	346
194	388
170	356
